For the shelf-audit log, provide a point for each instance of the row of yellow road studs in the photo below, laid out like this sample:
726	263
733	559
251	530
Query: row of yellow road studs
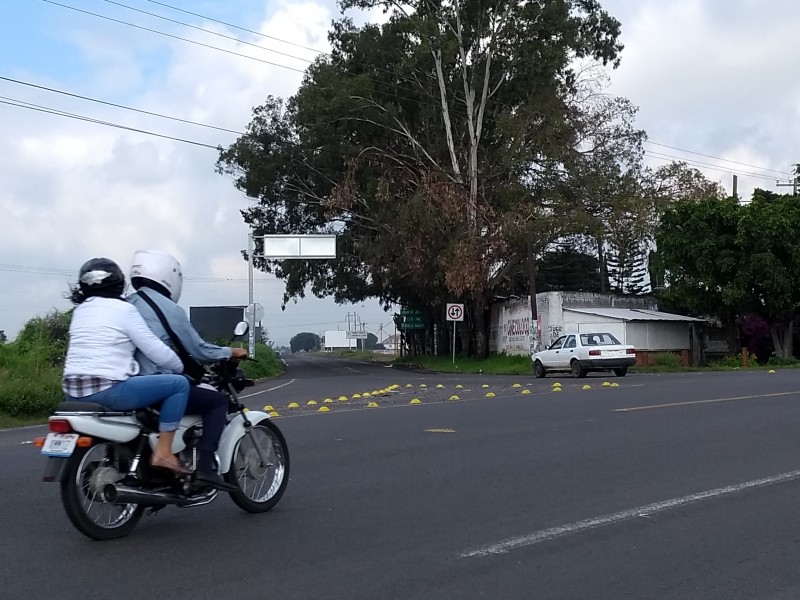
556	387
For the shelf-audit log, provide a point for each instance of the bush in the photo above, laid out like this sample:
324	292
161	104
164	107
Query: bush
777	361
29	385
266	364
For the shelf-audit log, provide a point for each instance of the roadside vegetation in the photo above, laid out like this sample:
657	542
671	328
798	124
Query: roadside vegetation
501	364
31	367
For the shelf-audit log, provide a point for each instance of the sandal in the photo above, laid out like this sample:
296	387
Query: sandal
175	467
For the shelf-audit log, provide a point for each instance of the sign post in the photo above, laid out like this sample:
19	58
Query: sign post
283	247
455	313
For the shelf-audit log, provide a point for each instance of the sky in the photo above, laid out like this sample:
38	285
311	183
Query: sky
713	80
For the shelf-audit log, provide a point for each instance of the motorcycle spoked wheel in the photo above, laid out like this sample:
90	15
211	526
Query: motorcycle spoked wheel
260	486
88	472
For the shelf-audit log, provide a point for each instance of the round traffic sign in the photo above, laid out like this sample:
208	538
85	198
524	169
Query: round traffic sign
455	312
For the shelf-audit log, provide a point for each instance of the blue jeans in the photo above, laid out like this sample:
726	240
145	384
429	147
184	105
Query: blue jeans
144	390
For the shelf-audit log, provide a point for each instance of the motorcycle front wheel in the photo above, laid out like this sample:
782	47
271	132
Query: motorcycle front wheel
260	486
88	472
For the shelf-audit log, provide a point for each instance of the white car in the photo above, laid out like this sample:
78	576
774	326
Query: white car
580	353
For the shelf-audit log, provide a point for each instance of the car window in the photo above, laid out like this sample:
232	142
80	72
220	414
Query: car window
598	339
570	342
558	343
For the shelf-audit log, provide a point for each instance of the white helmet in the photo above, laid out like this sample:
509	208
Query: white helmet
159	267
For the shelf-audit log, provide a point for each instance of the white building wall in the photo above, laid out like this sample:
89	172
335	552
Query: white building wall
510	327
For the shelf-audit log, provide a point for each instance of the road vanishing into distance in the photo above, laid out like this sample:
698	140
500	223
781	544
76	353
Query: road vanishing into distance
683	486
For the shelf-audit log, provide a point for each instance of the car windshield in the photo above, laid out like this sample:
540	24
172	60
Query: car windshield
599	339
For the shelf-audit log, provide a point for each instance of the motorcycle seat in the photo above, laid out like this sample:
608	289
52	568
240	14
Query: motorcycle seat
80	406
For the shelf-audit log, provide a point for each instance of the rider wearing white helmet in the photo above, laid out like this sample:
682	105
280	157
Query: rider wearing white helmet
158	275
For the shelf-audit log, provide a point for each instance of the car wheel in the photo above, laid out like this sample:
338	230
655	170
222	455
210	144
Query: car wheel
577	370
621	372
538	369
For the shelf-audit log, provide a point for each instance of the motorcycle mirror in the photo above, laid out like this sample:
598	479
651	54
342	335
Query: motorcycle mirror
241	328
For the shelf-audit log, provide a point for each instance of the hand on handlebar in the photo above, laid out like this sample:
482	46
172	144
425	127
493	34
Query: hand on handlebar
238	354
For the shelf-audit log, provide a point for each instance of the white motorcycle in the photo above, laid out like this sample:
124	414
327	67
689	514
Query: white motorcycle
101	459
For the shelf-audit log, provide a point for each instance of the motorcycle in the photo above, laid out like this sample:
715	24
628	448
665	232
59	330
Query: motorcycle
100	458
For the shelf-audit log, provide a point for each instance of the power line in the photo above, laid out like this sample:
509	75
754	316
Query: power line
236	27
35	270
669	157
717	158
115	105
176	37
222	35
60	113
261	60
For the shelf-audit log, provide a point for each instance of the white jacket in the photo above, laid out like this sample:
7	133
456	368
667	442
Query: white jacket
103	337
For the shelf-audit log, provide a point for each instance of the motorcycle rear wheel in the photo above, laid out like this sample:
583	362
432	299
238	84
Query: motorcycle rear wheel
88	471
260	487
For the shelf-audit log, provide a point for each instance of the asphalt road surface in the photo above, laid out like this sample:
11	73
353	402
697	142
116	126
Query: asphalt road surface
667	486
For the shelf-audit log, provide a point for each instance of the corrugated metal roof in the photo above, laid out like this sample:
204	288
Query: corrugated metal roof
632	314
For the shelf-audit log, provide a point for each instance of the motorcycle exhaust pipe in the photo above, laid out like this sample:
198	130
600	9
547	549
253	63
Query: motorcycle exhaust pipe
123	494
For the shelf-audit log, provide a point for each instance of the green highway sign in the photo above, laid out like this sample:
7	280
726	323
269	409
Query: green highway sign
412	318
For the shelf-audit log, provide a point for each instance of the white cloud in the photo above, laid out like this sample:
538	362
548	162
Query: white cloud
76	190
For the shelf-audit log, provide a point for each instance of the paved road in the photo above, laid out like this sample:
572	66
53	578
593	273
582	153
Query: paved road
673	486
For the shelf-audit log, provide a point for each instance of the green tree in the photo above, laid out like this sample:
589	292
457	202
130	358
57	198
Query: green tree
3	337
425	143
723	259
305	341
47	336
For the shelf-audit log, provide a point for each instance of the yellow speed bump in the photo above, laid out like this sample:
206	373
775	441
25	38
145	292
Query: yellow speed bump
516	385
771	371
586	387
556	389
273	413
606	384
269	407
409	385
311	403
324	409
556	384
439	386
485	385
356	396
366	395
490	394
459	387
342	398
614	385
415	401
372	405
328	400
525	392
454	397
423	385
293	405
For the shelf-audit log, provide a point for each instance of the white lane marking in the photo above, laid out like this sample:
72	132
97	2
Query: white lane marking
10	429
544	535
352	369
272	389
285	364
24	443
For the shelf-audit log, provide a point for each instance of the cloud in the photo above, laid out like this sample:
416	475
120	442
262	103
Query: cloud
77	190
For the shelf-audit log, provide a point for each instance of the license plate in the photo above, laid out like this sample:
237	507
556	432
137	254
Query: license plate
59	444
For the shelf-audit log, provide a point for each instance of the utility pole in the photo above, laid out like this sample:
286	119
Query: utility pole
795	180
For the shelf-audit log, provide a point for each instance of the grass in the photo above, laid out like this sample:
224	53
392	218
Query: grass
498	364
501	364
